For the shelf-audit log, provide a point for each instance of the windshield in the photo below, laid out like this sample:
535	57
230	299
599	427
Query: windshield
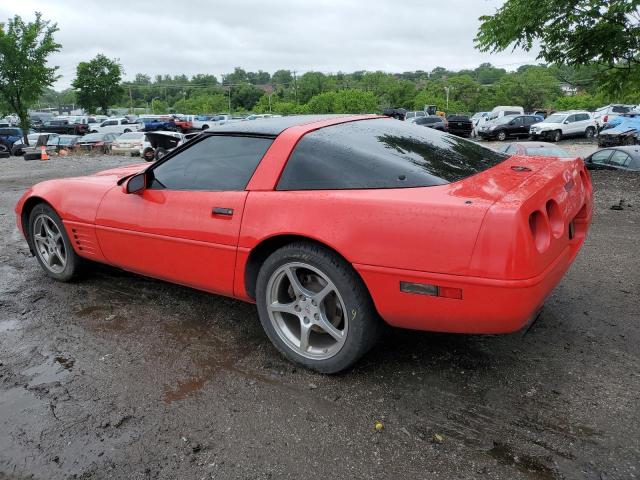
555	118
546	152
131	136
502	120
66	140
93	137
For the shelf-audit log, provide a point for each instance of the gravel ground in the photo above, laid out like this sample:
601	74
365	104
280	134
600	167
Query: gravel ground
120	376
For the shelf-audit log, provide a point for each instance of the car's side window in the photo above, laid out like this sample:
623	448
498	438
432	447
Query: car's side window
583	116
619	158
570	119
601	156
517	121
215	163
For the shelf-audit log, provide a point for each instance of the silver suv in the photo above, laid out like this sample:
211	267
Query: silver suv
573	123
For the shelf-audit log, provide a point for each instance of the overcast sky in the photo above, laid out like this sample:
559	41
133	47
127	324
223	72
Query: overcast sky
200	36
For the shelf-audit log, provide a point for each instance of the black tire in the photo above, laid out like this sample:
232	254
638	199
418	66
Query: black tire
501	135
17	151
74	263
590	132
204	127
364	326
148	154
556	136
127	130
160	152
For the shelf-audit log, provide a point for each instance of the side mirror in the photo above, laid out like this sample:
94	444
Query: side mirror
566	122
137	183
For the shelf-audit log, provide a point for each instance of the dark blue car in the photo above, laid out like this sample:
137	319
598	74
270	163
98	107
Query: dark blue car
8	136
159	124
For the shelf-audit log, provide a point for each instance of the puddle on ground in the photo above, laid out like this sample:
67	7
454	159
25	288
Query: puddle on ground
534	467
7	325
53	369
17	408
210	355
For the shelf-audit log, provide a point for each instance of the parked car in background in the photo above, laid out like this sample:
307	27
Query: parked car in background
478	119
63	126
184	125
622	130
117	125
535	149
507	126
607	113
129	143
397	113
504	110
9	136
257	116
431	121
65	142
415	114
161	123
96	142
158	144
459	125
618	158
198	122
17	149
572	123
34	150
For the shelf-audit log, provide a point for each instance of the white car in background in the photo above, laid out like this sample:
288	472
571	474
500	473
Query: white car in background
131	143
572	123
117	125
604	114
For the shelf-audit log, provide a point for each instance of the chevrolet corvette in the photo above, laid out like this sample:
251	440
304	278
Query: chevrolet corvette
332	226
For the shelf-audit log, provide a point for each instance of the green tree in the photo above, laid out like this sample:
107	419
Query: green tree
571	32
24	74
158	106
343	101
97	83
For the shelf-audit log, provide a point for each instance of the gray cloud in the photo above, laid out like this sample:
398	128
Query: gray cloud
200	36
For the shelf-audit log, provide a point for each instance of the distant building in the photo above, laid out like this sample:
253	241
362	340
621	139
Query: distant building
568	89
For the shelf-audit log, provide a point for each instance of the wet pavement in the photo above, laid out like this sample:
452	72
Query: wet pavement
120	376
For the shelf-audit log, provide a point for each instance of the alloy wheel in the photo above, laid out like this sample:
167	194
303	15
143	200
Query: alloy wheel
49	243
307	310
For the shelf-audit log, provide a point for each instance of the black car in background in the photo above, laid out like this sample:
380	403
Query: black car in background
430	121
460	125
617	158
63	127
508	126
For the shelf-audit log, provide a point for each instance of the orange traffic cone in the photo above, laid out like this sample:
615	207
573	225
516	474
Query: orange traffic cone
43	153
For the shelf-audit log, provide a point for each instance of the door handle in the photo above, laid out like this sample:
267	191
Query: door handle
222	211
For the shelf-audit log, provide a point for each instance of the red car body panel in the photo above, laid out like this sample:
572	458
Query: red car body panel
480	236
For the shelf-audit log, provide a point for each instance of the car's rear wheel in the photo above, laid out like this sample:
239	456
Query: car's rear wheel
204	127
502	135
556	136
314	308
590	132
127	130
51	244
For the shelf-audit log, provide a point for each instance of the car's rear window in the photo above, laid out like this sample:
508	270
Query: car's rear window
382	153
620	109
547	152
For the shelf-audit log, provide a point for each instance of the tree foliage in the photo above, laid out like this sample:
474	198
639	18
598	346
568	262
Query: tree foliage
24	74
605	33
98	84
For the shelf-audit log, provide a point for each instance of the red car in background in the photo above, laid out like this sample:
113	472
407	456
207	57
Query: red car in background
330	224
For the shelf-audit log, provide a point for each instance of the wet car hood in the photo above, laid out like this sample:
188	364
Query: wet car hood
121	172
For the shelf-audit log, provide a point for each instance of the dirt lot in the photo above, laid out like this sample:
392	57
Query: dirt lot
119	376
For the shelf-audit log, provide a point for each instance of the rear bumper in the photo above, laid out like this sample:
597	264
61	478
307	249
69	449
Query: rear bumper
487	306
129	150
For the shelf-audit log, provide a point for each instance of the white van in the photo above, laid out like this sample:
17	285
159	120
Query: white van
502	110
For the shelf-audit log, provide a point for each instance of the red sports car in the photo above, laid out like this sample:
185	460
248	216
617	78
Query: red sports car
329	224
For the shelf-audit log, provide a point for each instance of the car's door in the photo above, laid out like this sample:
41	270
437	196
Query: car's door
619	160
528	121
184	226
516	127
569	127
599	160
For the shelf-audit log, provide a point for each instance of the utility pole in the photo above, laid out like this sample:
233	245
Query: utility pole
295	86
229	99
130	100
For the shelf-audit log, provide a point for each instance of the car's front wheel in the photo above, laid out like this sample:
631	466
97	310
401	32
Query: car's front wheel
314	308
590	132
556	136
51	244
502	135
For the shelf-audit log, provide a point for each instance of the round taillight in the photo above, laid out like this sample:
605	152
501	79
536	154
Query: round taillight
540	231
555	218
